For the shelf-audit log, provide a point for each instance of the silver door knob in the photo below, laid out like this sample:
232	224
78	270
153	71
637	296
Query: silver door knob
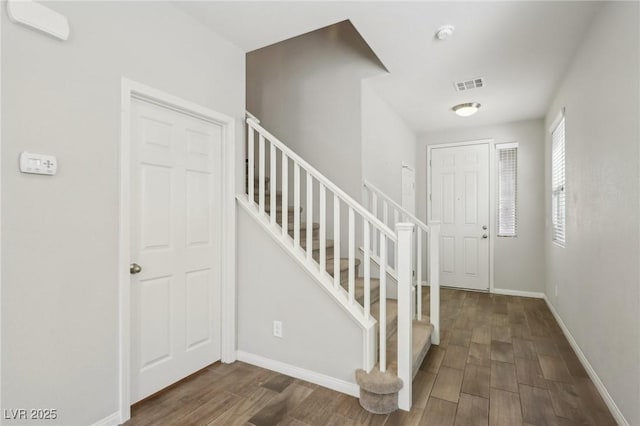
485	236
484	227
134	268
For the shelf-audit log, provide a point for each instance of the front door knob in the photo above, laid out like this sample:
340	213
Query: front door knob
485	236
134	268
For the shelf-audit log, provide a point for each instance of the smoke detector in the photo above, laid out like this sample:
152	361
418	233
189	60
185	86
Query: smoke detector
444	32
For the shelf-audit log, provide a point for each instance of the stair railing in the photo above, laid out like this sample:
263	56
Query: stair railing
390	212
398	242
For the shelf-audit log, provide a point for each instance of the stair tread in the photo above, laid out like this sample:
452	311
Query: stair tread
303	225
359	290
291	210
420	344
344	265
316	243
392	315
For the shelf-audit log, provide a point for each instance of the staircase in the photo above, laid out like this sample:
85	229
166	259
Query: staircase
321	235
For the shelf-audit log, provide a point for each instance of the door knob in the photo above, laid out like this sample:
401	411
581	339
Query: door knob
484	227
485	236
134	268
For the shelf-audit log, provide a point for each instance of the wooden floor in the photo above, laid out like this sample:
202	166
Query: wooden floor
502	361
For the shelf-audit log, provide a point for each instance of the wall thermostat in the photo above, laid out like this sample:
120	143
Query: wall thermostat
39	164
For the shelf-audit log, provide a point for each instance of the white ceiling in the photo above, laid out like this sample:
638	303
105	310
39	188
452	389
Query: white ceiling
521	49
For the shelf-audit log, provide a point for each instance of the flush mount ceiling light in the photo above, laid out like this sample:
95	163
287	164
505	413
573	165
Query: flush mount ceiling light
444	32
466	109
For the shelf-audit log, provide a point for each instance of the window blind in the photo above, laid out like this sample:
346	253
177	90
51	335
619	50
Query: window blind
558	192
507	189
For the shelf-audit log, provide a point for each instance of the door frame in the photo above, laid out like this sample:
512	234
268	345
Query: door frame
406	165
131	90
492	194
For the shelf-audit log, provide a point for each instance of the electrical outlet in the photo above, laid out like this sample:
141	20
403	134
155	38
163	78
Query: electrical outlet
277	328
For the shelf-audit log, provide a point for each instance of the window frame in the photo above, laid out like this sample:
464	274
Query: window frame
559	182
503	147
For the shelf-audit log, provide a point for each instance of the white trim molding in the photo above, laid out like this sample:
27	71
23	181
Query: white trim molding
320	379
604	393
110	420
133	90
520	293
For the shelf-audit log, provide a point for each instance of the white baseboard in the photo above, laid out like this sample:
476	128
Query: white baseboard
617	414
301	373
508	292
110	420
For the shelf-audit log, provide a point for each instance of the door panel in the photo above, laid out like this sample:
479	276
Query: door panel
175	238
460	201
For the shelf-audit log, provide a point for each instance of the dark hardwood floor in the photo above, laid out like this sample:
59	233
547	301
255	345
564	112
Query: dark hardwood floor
502	360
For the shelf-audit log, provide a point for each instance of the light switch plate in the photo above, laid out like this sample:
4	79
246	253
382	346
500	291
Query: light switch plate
39	164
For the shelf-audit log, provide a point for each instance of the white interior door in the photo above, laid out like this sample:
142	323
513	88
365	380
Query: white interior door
409	188
460	201
175	239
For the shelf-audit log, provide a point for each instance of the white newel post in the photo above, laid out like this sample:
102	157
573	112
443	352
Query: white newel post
434	280
404	231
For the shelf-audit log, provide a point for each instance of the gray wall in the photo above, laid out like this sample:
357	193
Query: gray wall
318	335
59	234
597	273
518	262
306	91
387	142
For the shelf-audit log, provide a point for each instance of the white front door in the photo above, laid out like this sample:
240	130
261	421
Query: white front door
175	239
460	201
408	189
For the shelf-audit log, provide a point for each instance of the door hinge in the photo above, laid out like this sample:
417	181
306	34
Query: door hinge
429	197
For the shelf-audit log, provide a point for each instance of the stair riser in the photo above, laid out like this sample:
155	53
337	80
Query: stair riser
392	327
267	198
375	296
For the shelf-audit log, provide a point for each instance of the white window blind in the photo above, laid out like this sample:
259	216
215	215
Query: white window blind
507	189
558	193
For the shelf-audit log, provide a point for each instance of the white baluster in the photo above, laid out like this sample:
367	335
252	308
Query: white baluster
309	217
296	204
374	210
419	273
434	280
367	268
382	325
285	194
261	175
404	232
336	241
352	257
251	165
385	212
322	261
272	186
395	221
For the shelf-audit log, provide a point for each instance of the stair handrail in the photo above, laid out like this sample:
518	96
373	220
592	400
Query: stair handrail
412	218
373	230
322	179
432	236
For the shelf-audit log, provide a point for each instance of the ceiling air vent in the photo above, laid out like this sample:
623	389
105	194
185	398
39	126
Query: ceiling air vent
474	83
